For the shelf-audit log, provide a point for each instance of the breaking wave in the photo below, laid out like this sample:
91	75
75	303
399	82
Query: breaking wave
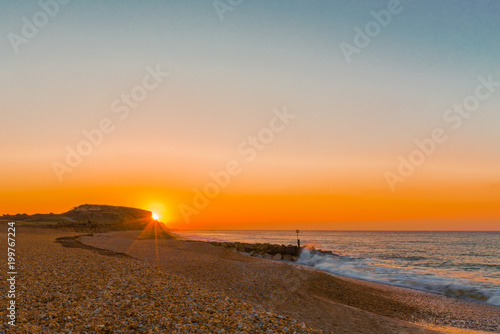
377	270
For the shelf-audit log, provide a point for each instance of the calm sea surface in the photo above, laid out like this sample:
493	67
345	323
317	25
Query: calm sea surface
460	264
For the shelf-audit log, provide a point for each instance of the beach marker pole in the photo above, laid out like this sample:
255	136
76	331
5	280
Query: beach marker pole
298	240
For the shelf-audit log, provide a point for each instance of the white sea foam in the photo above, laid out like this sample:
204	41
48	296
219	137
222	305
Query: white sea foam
494	300
460	264
378	271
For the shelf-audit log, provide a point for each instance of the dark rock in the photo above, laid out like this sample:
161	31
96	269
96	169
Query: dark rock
249	248
277	257
263	248
277	249
291	250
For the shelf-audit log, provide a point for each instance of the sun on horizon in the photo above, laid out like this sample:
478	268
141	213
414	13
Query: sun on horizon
157	208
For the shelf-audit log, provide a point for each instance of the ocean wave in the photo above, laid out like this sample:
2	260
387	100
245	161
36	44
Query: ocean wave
377	270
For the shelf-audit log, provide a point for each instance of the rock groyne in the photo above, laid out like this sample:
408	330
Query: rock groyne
270	251
263	250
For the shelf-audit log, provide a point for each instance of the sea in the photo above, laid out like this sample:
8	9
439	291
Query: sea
465	265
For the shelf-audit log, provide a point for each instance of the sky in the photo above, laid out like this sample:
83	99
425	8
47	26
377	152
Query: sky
254	114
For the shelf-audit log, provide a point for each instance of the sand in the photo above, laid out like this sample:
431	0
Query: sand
144	285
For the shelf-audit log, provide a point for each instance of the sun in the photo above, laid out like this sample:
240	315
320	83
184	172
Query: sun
159	210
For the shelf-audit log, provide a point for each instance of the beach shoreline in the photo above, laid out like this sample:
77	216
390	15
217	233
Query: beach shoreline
299	295
424	308
466	272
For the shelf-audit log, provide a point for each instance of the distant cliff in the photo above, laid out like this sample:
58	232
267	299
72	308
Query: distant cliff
91	217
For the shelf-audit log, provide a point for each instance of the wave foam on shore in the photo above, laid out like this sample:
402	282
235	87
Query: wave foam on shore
377	271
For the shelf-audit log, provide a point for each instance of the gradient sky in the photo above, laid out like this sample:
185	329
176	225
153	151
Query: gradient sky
326	170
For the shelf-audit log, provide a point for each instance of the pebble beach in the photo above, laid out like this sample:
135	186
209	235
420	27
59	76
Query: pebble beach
130	282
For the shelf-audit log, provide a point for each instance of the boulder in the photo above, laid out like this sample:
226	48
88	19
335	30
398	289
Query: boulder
295	258
287	257
249	248
267	256
291	250
277	249
277	257
263	248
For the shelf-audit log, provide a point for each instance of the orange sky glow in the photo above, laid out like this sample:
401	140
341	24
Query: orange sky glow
148	107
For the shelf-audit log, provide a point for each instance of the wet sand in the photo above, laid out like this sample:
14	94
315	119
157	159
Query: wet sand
174	286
